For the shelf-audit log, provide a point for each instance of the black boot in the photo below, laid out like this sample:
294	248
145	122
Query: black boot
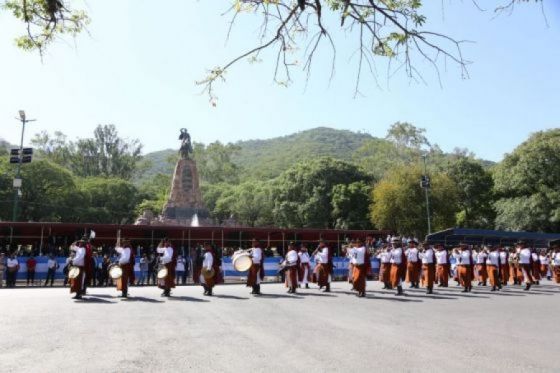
294	290
327	288
254	291
527	287
205	289
430	290
493	288
258	289
307	286
399	290
209	293
465	290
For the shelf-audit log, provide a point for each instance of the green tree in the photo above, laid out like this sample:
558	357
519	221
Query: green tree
398	202
214	162
405	135
108	200
54	148
153	194
303	196
350	203
526	183
475	193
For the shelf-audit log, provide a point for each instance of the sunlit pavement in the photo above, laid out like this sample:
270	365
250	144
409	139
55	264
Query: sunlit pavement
44	330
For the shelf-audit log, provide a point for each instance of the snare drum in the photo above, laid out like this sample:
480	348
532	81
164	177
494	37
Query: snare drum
242	261
162	273
73	272
115	271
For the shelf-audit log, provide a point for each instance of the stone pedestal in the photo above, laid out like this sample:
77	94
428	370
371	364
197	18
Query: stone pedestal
185	199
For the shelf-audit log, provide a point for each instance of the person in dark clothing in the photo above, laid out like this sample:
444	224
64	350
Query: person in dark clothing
151	270
52	266
31	265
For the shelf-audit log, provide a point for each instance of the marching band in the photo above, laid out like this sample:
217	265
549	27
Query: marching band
423	264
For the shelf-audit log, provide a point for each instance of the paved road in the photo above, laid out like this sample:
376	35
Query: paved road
43	330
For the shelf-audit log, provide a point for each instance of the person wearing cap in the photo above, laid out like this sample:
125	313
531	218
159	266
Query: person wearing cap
493	265
168	260
504	265
77	284
428	258
443	267
304	266
465	267
256	272
323	258
209	264
481	257
291	262
125	262
413	264
398	265
361	265
526	263
384	257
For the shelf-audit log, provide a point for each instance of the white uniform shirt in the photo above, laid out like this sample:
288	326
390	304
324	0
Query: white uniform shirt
464	257
323	256
51	264
481	258
303	257
396	255
427	256
412	255
124	254
292	257
80	255
180	267
384	257
556	259
167	254
493	258
544	259
535	257
525	256
208	261
12	263
358	255
503	257
256	253
441	257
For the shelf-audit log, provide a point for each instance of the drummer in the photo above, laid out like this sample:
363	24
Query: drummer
324	268
256	272
125	256
210	265
77	283
304	266
292	268
168	282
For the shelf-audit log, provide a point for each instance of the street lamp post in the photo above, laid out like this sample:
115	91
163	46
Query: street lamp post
17	180
425	183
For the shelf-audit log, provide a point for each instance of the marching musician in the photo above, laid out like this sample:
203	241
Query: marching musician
493	265
555	260
443	265
544	259
292	268
481	267
125	262
428	267
385	267
361	264
210	267
465	267
526	263
304	266
88	263
323	258
349	251
77	284
504	266
398	265
536	266
413	264
167	259
256	272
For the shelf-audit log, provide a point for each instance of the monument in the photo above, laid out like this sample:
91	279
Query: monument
184	205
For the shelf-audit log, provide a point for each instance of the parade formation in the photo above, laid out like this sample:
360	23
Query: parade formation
417	264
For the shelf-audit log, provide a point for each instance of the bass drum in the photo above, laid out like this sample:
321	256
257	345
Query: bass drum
162	273
115	272
73	272
242	261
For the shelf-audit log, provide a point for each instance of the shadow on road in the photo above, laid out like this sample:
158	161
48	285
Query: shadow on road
141	299
223	296
277	296
91	299
188	299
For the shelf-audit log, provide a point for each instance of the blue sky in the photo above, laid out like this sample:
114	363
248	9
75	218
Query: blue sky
137	67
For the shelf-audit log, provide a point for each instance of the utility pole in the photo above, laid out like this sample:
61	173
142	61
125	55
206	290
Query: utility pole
19	159
425	184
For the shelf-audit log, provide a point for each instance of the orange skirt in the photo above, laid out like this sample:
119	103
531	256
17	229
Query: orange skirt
254	272
428	275
359	277
464	273
482	272
122	283
169	281
443	274
292	277
557	274
504	273
385	272
323	275
396	275
77	284
493	274
413	271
